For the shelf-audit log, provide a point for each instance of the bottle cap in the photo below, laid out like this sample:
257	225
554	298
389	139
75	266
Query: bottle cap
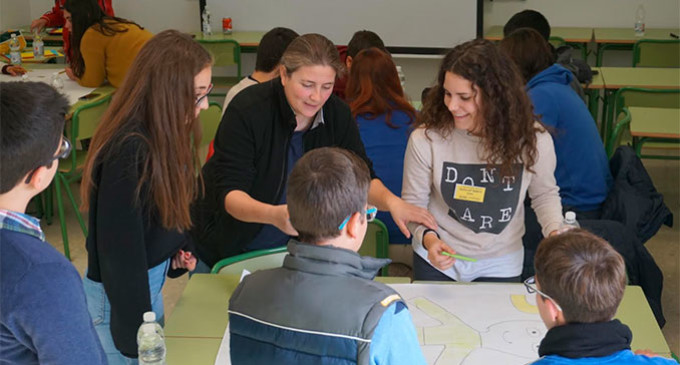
149	317
570	216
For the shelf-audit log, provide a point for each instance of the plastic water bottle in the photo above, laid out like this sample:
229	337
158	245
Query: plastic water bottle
38	46
151	341
402	77
15	50
57	82
207	29
640	21
569	222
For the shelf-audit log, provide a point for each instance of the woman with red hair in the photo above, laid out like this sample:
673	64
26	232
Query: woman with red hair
379	105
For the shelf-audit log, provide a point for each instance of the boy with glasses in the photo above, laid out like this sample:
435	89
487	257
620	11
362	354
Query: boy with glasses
322	306
579	284
44	316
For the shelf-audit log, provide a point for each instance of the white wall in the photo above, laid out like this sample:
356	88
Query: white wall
587	13
14	14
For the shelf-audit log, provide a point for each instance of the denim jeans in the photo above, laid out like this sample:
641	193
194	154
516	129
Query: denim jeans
100	310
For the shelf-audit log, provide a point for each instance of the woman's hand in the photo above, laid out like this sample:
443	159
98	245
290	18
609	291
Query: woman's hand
403	213
281	220
70	74
38	25
184	260
435	247
15	70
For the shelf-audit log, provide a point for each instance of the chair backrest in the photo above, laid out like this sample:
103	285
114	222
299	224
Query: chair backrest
556	42
656	53
251	261
84	122
376	242
635	96
225	52
210	120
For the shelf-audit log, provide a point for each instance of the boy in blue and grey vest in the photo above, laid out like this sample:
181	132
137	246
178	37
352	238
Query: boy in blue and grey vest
43	312
579	283
322	306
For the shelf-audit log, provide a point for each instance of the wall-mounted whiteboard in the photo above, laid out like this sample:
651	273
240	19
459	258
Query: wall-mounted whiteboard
400	23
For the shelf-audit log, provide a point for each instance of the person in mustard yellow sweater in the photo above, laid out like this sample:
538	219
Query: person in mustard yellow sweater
102	47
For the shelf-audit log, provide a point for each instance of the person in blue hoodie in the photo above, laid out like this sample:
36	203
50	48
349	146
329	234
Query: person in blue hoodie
582	171
579	284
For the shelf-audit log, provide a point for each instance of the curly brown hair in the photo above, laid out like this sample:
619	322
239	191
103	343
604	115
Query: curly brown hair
507	121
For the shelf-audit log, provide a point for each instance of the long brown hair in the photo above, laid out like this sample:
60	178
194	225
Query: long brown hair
85	14
158	97
529	50
373	87
507	121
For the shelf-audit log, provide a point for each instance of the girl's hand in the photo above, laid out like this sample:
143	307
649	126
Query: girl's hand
15	70
435	247
70	74
184	260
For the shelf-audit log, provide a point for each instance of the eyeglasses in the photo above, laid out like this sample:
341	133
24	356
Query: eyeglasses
530	284
200	99
64	152
370	212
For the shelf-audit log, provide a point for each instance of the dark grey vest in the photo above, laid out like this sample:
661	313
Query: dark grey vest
319	291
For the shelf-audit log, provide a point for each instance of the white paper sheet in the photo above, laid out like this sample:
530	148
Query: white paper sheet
71	89
466	324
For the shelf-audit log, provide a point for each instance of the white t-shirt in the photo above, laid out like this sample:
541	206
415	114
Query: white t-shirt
244	83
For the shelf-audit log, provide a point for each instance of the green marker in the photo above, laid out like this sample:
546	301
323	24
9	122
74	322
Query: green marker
459	257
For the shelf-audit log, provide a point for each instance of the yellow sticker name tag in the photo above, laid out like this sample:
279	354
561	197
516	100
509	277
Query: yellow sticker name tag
469	193
387	301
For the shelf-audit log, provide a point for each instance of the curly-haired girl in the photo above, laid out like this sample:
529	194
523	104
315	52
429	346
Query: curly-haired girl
475	153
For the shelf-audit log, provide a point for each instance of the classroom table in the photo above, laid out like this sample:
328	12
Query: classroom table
575	36
77	95
642	77
247	40
654	124
48	39
624	38
195	328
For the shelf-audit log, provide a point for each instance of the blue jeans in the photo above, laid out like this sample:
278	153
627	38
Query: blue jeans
100	310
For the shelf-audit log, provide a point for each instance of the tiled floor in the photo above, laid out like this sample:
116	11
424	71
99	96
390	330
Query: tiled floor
665	247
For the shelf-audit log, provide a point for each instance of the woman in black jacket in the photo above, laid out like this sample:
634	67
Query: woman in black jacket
264	131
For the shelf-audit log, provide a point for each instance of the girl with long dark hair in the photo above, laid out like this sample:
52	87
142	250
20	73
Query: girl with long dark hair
102	47
138	183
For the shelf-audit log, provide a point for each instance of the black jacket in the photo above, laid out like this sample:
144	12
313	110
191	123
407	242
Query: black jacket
251	149
126	239
633	199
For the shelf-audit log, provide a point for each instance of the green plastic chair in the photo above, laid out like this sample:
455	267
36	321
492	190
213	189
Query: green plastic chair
634	96
375	245
226	53
210	120
656	53
376	242
557	42
83	124
251	261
